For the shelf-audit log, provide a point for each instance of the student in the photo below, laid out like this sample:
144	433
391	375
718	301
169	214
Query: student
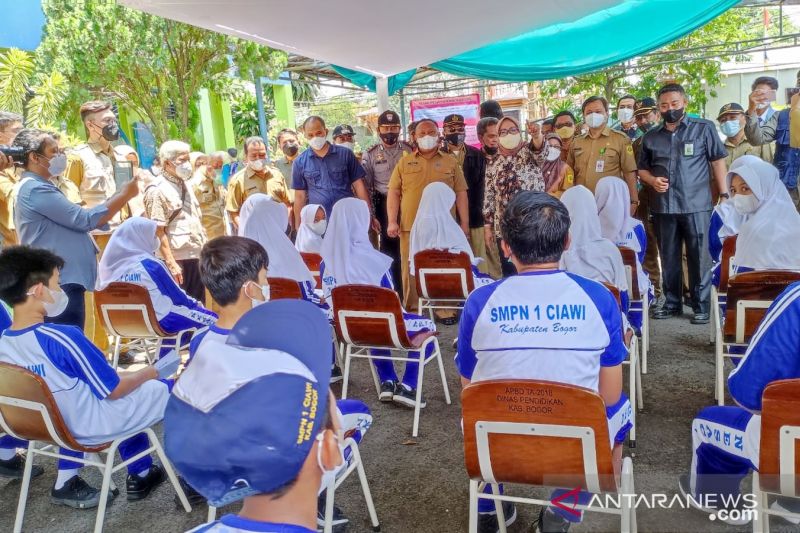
97	404
725	222
235	272
348	258
130	257
313	222
535	233
435	228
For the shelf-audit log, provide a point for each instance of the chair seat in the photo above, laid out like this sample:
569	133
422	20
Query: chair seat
419	339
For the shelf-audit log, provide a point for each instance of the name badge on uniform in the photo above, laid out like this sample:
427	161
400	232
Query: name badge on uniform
600	165
688	149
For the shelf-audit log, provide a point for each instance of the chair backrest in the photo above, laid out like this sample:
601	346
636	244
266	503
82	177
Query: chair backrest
313	262
779	462
749	296
442	275
126	310
29	411
537	433
284	289
726	263
615	291
369	316
631	271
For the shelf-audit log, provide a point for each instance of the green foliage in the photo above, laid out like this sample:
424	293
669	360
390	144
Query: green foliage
337	111
38	97
244	113
45	104
16	68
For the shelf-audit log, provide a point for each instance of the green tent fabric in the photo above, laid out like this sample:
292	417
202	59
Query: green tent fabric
396	82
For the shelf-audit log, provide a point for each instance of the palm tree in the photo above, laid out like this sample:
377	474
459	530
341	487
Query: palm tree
16	68
37	97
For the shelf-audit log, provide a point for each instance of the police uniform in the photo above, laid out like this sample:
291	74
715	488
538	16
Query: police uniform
245	183
743	147
611	154
379	162
212	204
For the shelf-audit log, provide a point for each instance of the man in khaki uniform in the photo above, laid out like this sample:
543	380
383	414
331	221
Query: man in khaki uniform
732	120
257	177
290	146
209	195
602	151
412	174
10	125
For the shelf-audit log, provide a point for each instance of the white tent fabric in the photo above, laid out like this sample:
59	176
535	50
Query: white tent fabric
400	36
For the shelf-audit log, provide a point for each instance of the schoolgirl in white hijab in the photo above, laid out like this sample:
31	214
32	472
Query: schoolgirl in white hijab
313	223
725	222
435	228
769	236
265	221
130	257
348	258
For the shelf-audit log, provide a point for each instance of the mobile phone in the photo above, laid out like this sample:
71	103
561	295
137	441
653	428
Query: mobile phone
772	95
123	173
791	91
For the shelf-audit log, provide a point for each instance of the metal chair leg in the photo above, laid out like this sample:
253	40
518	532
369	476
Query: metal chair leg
362	476
418	402
107	471
473	506
26	483
346	374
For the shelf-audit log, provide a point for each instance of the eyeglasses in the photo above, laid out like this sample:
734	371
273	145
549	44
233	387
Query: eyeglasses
509	131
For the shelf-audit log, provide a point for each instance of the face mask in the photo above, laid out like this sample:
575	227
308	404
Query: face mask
256	166
110	132
511	141
566	132
491	150
328	476
646	127
553	153
455	138
730	128
672	116
289	149
184	170
349	145
254	302
762	105
57	165
317	143
428	142
60	301
745	204
595	120
389	138
319	227
625	114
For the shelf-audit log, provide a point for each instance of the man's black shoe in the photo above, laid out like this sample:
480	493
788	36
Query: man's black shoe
487	522
336	374
550	522
78	494
15	468
194	497
700	318
138	488
339	520
666	312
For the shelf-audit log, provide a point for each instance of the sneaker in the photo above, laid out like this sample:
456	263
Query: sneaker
700	318
126	358
487	522
685	487
15	468
78	494
339	519
138	488
387	391
787	505
550	522
336	374
405	395
194	497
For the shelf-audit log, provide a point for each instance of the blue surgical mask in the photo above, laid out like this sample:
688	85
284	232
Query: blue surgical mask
730	128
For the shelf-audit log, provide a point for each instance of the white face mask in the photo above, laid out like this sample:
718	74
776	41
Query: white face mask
745	204
625	114
595	120
184	170
349	145
319	227
256	166
57	166
553	153
428	142
255	302
328	476
317	143
762	105
510	141
57	306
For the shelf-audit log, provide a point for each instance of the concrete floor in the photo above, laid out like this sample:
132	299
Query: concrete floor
419	485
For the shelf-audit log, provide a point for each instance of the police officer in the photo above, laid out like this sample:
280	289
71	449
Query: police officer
343	135
379	162
732	121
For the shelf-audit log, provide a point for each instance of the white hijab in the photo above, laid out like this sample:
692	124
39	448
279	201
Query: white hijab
307	240
614	209
769	238
435	228
348	255
265	221
589	254
132	242
730	217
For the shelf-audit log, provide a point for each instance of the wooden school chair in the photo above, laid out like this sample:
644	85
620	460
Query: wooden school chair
638	301
719	294
543	434
284	289
29	411
444	280
313	262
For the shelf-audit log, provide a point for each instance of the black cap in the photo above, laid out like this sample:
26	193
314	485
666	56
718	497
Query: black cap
644	106
388	118
343	129
733	107
453	119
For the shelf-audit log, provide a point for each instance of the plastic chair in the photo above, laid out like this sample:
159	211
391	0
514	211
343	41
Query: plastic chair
749	296
638	301
284	289
366	318
127	312
28	411
313	262
719	294
444	280
544	434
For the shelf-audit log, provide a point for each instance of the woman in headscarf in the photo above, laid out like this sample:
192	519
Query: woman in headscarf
266	221
313	223
130	257
435	228
725	222
348	258
769	236
556	173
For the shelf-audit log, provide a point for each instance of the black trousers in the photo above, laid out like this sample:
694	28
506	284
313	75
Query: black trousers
675	231
506	265
75	313
191	279
390	246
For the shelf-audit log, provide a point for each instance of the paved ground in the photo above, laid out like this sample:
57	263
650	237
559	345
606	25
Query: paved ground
421	486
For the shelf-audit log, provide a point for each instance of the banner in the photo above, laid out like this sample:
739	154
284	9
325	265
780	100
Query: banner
438	108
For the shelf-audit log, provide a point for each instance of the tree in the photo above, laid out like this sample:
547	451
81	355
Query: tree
37	97
151	65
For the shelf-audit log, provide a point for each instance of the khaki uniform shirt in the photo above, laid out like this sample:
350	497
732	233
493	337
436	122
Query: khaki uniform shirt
611	154
285	166
212	204
745	148
172	204
8	181
245	183
413	173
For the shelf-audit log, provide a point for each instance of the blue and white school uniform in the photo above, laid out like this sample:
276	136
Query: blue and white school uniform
549	325
231	523
725	222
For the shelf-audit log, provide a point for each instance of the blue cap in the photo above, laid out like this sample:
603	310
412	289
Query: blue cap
244	415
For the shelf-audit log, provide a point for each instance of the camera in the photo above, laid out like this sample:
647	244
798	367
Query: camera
16	153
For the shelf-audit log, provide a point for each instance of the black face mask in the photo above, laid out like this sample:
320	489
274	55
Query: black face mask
455	138
646	127
289	149
111	132
491	150
672	116
389	138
